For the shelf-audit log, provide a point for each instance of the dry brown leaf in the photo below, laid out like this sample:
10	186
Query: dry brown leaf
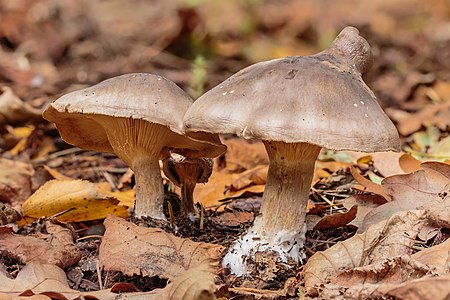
337	219
410	191
382	240
233	219
43	278
8	214
387	163
370	186
13	110
15	181
439	210
388	271
56	247
426	288
365	204
437	256
211	193
194	284
81	199
254	176
408	163
244	155
131	249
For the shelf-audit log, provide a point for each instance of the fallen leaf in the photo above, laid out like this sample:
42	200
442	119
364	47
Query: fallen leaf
55	174
426	288
211	193
391	270
337	219
437	256
385	239
8	214
365	204
13	110
131	249
81	200
233	219
15	181
195	284
410	191
39	279
56	247
408	163
369	185
254	176
244	155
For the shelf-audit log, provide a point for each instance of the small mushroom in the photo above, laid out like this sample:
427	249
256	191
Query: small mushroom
186	173
139	118
295	105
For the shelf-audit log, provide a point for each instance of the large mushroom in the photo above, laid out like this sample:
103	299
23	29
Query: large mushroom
139	118
295	105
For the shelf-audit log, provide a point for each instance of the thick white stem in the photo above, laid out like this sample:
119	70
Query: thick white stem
149	188
281	225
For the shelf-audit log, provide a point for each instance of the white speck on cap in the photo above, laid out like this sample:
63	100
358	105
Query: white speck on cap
224	93
355	105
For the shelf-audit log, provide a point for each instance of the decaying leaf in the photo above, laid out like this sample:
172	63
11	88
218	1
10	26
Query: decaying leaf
337	219
426	288
369	185
195	284
365	204
15	181
56	247
44	279
8	214
131	249
244	155
437	256
410	191
217	189
391	238
81	200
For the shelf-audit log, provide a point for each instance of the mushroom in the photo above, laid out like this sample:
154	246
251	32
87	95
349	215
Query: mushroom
186	173
295	105
139	118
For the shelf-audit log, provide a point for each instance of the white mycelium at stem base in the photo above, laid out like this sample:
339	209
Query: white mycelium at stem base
139	143
281	225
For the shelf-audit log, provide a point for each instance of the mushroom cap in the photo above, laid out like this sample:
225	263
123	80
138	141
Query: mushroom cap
140	96
319	99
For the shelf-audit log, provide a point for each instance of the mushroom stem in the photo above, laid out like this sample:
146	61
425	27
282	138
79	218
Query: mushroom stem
187	198
281	226
289	179
149	188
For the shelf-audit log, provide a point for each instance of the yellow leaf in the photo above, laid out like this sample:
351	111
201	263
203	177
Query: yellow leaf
22	132
81	200
55	174
126	198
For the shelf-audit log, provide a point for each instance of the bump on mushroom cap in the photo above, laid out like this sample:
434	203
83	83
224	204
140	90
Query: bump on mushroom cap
139	96
319	99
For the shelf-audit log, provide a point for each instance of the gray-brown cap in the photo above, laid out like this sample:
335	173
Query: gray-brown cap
319	99
80	116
